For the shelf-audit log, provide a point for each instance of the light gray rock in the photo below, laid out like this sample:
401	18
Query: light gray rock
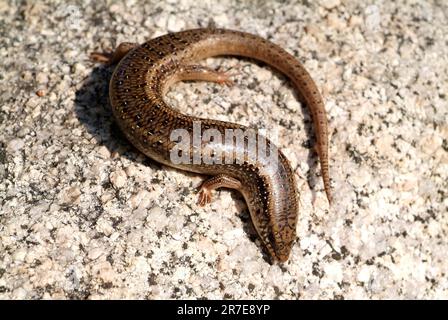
84	215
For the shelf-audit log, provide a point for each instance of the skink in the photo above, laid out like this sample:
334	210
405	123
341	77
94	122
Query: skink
137	89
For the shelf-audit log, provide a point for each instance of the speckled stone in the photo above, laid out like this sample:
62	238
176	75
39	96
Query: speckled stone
84	215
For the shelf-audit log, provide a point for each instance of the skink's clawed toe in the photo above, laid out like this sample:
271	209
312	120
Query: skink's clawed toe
227	82
205	197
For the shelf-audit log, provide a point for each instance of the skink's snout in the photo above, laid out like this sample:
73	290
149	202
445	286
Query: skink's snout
282	252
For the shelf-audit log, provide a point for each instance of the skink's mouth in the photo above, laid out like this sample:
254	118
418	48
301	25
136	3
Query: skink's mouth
282	252
282	258
282	245
278	250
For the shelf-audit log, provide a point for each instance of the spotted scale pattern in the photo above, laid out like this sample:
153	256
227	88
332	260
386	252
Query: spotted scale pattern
137	89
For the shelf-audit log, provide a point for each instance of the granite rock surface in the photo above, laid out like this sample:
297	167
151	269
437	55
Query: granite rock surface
84	215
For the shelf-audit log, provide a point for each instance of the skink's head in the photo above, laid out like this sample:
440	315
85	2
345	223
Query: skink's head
281	243
279	221
273	205
284	243
277	237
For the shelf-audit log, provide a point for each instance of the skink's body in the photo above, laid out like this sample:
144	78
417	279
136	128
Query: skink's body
137	92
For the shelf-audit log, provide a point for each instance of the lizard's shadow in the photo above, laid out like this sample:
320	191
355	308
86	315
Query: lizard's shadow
93	111
92	108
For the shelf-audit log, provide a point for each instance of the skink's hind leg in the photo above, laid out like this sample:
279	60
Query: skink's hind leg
111	58
218	181
203	73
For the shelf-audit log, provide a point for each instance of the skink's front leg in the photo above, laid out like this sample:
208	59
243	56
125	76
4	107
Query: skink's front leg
218	181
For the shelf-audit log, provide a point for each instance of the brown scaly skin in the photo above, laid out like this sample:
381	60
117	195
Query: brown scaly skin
137	88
